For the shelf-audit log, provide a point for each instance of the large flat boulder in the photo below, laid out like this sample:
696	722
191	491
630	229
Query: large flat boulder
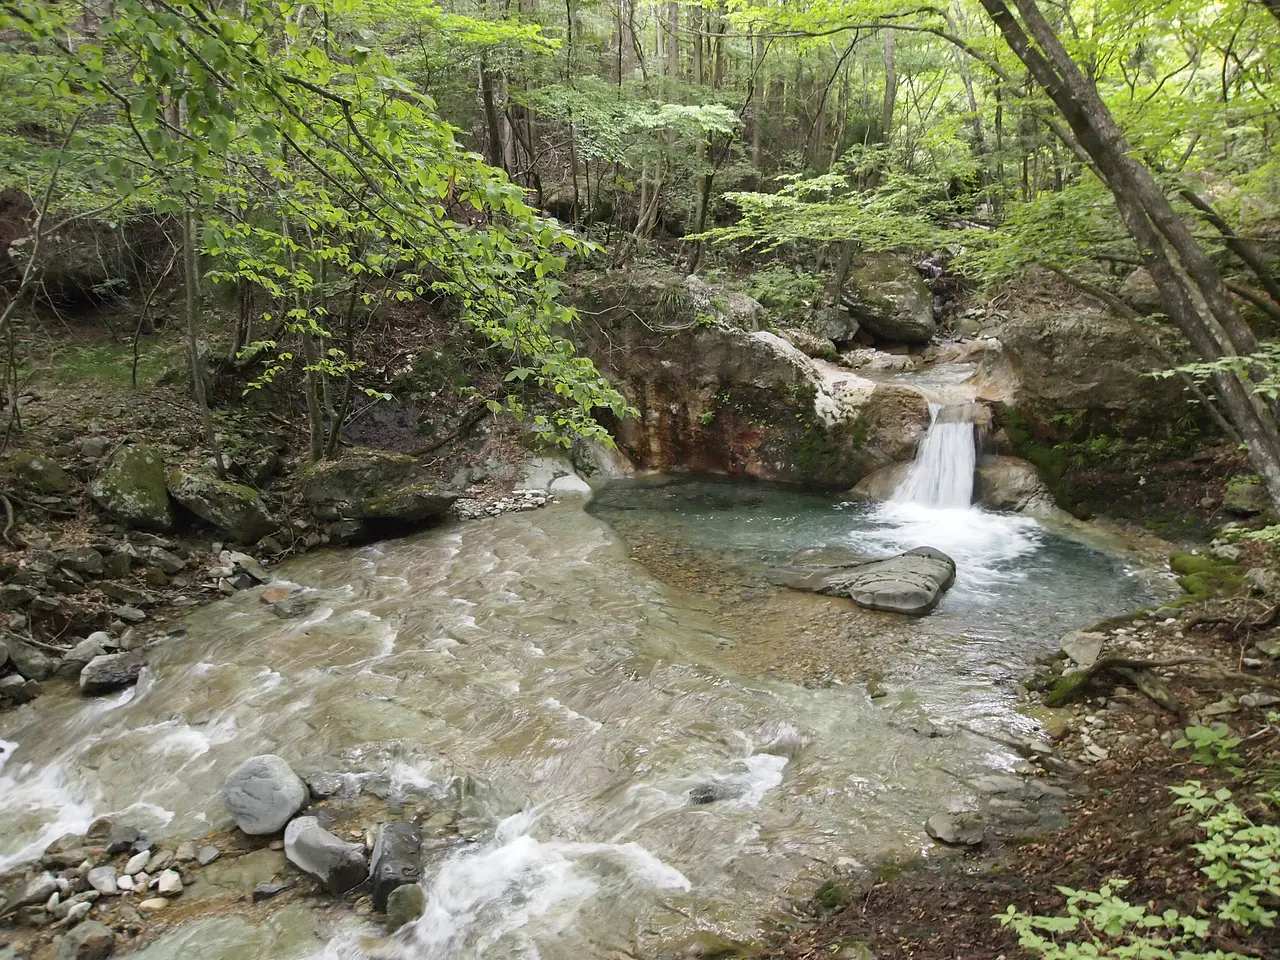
714	397
132	489
911	583
233	508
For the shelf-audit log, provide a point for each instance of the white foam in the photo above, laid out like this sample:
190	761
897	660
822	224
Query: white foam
942	474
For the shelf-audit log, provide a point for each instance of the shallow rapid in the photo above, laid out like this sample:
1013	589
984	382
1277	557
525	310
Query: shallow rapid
584	704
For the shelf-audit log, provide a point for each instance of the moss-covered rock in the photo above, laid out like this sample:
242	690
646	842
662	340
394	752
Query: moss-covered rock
39	474
413	503
231	507
1246	496
370	492
1202	576
132	489
355	477
889	299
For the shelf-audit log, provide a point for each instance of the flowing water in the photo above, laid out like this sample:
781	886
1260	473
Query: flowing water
586	704
942	474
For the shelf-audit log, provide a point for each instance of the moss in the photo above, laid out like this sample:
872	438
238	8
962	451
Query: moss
1201	576
819	451
1068	687
831	896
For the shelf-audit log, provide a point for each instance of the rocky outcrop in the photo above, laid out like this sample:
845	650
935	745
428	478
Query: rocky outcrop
366	491
231	507
714	398
263	793
1246	496
132	489
911	583
1083	364
890	300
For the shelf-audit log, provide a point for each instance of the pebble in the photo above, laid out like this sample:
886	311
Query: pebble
186	852
169	883
154	904
141	879
160	862
125	882
77	912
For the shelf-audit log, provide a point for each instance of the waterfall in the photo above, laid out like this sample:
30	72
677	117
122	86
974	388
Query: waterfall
942	474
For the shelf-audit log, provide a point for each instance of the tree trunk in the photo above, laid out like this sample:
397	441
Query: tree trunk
191	285
1195	297
890	89
493	145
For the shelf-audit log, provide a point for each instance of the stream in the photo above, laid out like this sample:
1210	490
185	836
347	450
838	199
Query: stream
584	703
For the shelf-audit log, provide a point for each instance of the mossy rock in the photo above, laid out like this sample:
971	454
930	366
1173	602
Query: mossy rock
132	489
1201	576
831	896
1246	496
1067	688
231	507
356	477
414	503
36	473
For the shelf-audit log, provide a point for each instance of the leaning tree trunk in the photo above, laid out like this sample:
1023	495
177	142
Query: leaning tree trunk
1193	291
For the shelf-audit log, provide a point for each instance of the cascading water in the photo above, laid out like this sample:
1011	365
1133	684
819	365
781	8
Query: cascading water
942	474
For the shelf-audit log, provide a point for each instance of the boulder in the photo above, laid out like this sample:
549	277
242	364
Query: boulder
1083	362
111	671
90	260
355	477
1246	496
958	829
1139	290
263	793
84	560
810	344
911	583
89	940
231	507
413	503
87	649
713	398
1008	483
405	905
1082	648
37	473
889	298
338	865
882	484
366	490
27	660
132	489
396	860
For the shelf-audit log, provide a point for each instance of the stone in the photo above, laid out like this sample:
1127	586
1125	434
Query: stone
76	912
911	583
160	861
570	485
111	671
132	489
93	448
153	905
32	663
1008	483
137	863
324	785
90	940
207	854
1140	291
414	503
355	477
128	883
37	474
263	793
889	299
37	890
1246	496
265	891
103	879
821	345
956	829
1082	648
715	398
84	560
405	904
250	566
14	596
186	852
169	883
336	864
169	563
275	594
396	860
88	648
231	507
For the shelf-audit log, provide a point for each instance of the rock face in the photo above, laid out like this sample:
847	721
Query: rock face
396	860
1082	362
110	672
714	398
338	865
263	793
231	507
889	299
368	490
132	489
910	583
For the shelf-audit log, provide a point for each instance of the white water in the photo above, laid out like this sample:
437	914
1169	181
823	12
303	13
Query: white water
942	475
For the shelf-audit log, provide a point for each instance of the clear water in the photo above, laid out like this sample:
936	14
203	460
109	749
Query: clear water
585	699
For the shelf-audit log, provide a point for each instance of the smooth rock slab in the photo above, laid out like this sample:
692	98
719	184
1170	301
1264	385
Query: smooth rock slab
911	583
338	865
263	793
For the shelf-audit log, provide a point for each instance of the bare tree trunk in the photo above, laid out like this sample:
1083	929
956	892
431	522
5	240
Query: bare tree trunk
890	89
493	145
191	283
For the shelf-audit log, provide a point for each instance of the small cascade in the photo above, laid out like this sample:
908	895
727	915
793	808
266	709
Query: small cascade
942	474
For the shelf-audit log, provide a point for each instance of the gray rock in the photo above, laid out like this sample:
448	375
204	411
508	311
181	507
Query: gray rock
570	485
324	785
86	649
1007	483
84	560
38	473
75	912
132	489
119	837
169	883
90	940
129	614
888	298
396	860
265	891
92	448
28	661
111	671
405	904
336	864
957	829
1141	292
38	890
911	583
207	854
263	793
414	503
14	596
137	863
1082	648
1246	496
103	879
231	507
170	563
